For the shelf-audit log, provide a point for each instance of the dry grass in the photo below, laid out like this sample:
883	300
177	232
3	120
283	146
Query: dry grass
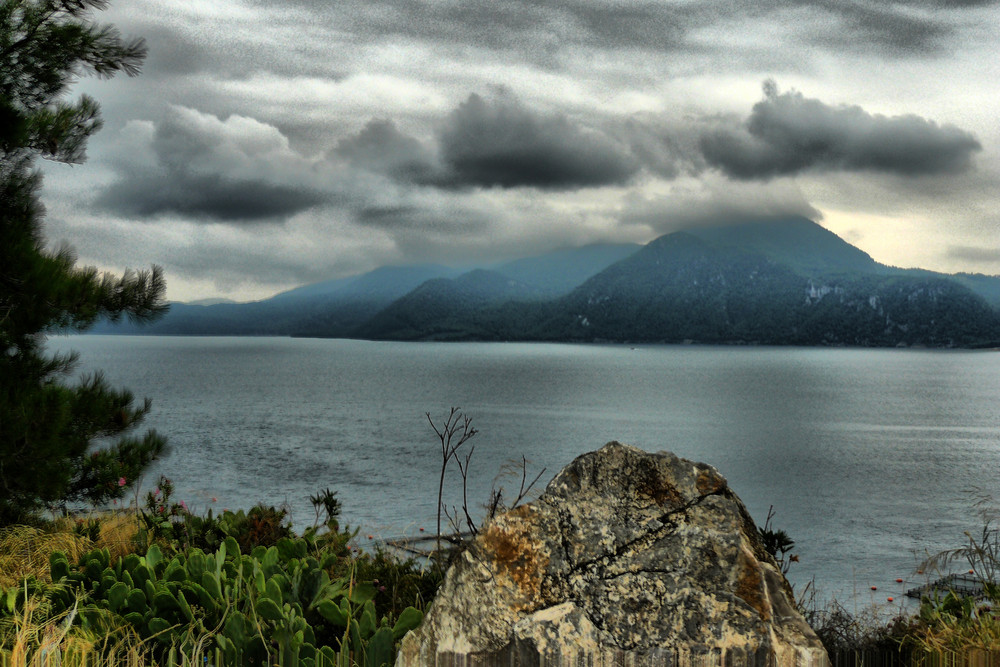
25	550
118	534
953	635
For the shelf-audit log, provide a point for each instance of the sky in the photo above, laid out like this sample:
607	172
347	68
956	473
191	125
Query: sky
273	143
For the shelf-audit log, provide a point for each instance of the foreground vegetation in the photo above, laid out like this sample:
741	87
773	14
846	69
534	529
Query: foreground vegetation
163	586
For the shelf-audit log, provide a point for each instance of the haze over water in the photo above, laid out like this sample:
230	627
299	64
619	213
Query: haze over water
868	456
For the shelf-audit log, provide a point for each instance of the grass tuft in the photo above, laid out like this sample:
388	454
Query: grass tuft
35	638
25	551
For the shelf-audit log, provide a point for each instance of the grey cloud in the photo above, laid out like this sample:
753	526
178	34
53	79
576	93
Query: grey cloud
718	201
173	53
543	30
649	25
535	29
381	148
229	264
896	30
205	197
974	253
228	47
880	26
788	133
946	4
223	255
666	147
216	170
436	217
502	143
388	216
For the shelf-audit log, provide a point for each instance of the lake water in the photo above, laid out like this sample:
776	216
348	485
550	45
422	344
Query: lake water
868	456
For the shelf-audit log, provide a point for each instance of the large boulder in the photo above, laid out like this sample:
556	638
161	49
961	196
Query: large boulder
628	558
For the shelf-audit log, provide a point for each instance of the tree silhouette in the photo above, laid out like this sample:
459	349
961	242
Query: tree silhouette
49	430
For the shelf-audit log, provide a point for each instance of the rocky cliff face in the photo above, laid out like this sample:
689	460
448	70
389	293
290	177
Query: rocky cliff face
627	558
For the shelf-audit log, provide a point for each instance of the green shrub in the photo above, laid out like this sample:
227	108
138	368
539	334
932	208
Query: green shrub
176	528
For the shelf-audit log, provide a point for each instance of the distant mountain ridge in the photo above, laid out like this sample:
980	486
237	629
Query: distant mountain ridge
777	282
338	308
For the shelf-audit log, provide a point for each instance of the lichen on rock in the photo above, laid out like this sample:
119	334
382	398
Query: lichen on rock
626	558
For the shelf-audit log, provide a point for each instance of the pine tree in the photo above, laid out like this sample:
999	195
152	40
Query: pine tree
58	442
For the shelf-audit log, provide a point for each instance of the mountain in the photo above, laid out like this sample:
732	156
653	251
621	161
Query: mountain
448	309
777	282
679	287
337	308
313	290
340	312
330	308
490	304
386	282
797	243
257	318
987	287
787	282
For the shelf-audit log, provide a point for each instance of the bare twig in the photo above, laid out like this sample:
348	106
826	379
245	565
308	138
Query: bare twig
496	504
456	430
464	470
525	490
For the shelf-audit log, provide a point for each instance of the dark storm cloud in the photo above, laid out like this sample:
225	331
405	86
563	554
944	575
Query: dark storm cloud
496	142
201	167
788	133
501	143
205	197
